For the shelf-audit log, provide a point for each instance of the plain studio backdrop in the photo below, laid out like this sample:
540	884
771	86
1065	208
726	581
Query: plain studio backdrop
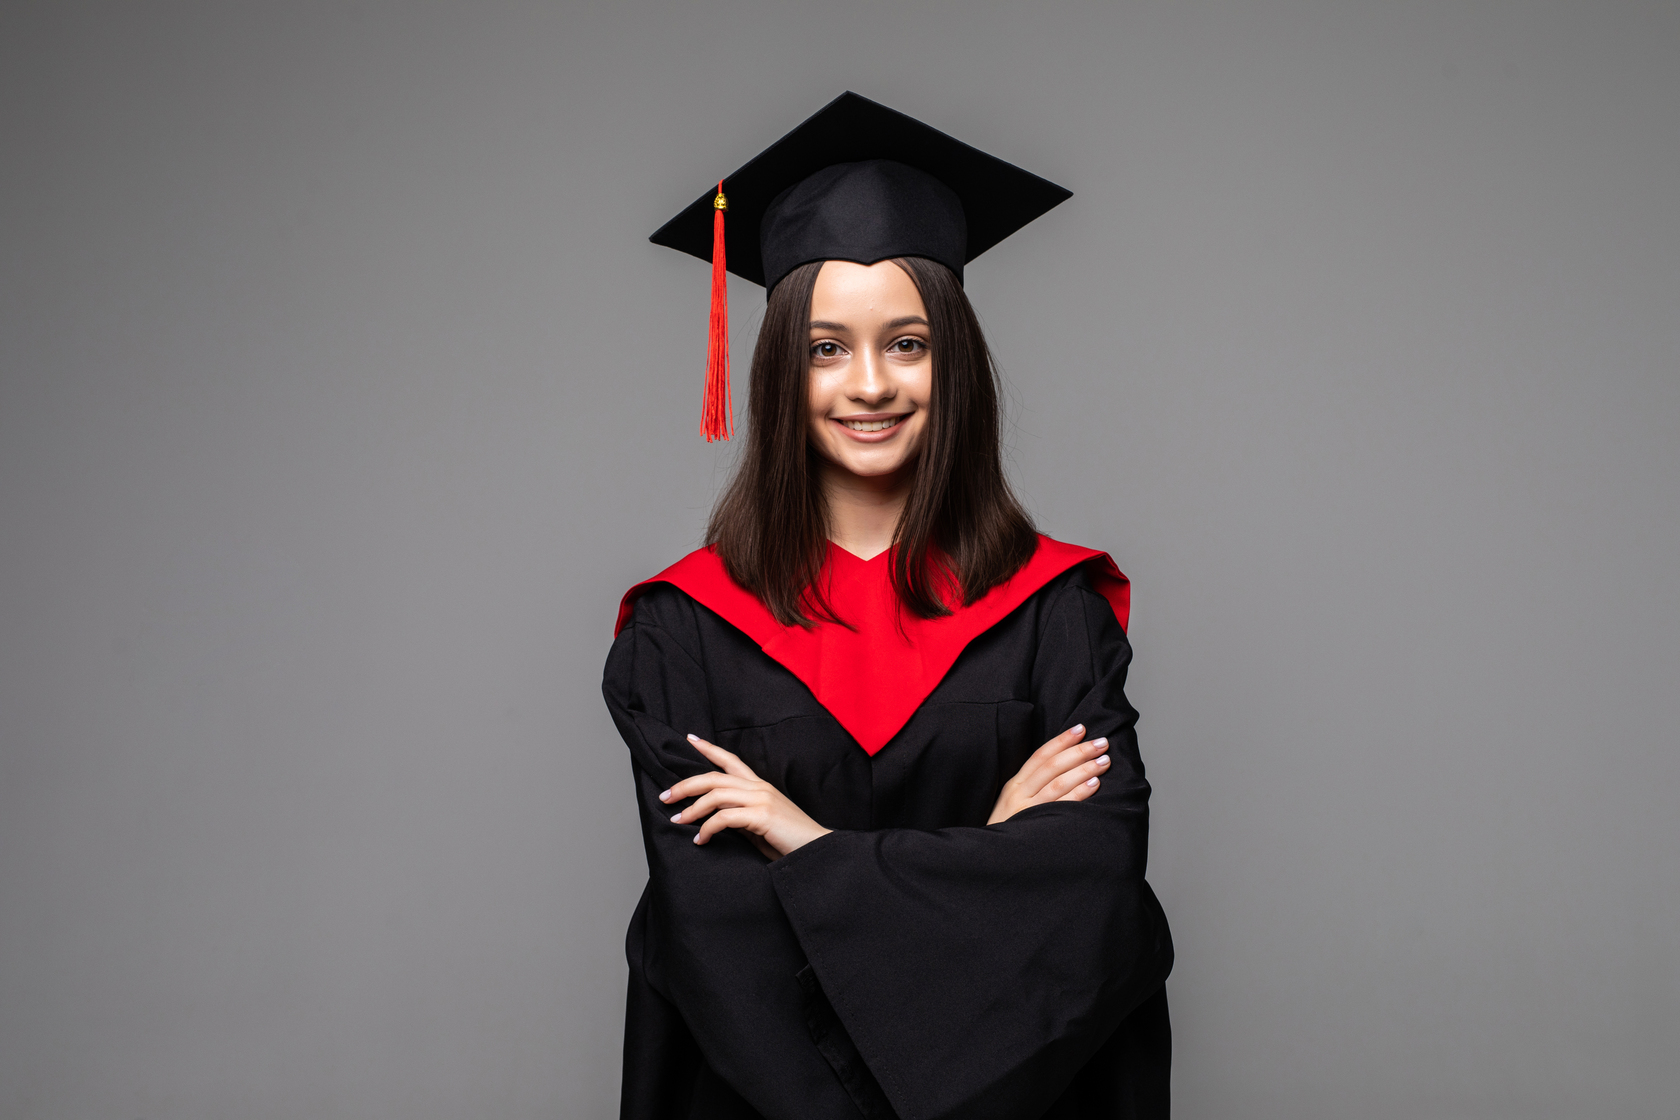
343	396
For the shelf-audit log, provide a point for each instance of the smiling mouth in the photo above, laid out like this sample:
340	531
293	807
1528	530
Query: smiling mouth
872	425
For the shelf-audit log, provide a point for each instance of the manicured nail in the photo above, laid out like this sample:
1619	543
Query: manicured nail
1103	761
1091	782
676	818
697	838
666	796
1076	729
694	738
1099	743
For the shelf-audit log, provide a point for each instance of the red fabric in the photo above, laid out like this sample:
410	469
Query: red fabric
716	417
872	679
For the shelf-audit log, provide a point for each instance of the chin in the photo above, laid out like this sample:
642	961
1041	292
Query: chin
872	466
873	470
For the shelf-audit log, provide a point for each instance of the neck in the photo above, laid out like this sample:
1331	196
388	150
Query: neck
864	511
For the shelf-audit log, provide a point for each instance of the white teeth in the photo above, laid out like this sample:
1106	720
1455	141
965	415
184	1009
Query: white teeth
871	425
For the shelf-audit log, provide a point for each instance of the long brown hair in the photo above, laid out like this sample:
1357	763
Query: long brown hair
962	530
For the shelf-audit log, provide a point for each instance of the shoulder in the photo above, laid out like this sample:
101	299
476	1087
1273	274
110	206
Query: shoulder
1072	599
1064	574
1071	584
663	603
658	603
659	628
701	578
1078	631
658	596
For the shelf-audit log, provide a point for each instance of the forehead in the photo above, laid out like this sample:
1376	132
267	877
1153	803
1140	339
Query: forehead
847	292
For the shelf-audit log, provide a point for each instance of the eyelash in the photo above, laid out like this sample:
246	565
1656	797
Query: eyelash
892	347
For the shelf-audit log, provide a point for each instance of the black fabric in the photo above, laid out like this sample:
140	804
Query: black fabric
914	963
864	212
837	1048
995	198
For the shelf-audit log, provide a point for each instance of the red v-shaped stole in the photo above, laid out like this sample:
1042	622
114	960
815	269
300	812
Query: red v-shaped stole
872	679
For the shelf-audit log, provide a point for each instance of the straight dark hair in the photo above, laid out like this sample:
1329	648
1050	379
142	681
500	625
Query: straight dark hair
962	531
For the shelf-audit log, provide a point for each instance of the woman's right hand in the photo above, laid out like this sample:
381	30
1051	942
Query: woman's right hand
1064	769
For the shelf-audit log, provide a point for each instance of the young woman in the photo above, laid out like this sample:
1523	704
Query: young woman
895	818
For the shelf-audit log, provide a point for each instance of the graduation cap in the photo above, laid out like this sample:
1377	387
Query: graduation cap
856	182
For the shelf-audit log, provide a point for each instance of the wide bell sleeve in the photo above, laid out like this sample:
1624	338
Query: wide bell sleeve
977	969
710	938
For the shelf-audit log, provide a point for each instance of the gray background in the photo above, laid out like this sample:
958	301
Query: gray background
342	397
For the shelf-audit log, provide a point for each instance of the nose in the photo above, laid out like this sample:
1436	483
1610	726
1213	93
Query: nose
871	381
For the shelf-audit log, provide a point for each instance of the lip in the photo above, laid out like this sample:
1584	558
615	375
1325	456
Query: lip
870	437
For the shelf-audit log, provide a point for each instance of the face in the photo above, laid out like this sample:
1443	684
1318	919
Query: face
871	369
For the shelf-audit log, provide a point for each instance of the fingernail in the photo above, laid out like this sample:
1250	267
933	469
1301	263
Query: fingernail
697	838
694	738
1076	729
676	818
1099	742
1091	782
666	796
1103	761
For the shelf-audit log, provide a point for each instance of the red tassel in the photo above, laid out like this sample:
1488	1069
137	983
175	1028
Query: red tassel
716	416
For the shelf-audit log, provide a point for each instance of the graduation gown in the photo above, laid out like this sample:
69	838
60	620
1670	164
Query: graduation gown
915	962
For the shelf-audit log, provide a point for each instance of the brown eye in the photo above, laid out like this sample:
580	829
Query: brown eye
826	350
908	346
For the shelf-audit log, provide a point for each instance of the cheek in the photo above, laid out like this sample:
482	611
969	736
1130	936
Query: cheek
826	392
818	398
921	391
817	393
922	388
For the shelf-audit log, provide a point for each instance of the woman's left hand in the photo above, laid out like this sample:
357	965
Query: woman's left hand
738	798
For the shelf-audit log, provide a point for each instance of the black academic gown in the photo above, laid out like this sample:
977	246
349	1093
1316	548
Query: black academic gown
915	962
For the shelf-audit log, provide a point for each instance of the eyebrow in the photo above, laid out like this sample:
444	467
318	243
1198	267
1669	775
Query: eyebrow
906	321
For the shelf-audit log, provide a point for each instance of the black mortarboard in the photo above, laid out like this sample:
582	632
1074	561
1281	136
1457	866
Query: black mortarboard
858	182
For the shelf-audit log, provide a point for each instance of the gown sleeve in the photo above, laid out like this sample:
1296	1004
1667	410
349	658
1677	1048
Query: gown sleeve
977	969
710	938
